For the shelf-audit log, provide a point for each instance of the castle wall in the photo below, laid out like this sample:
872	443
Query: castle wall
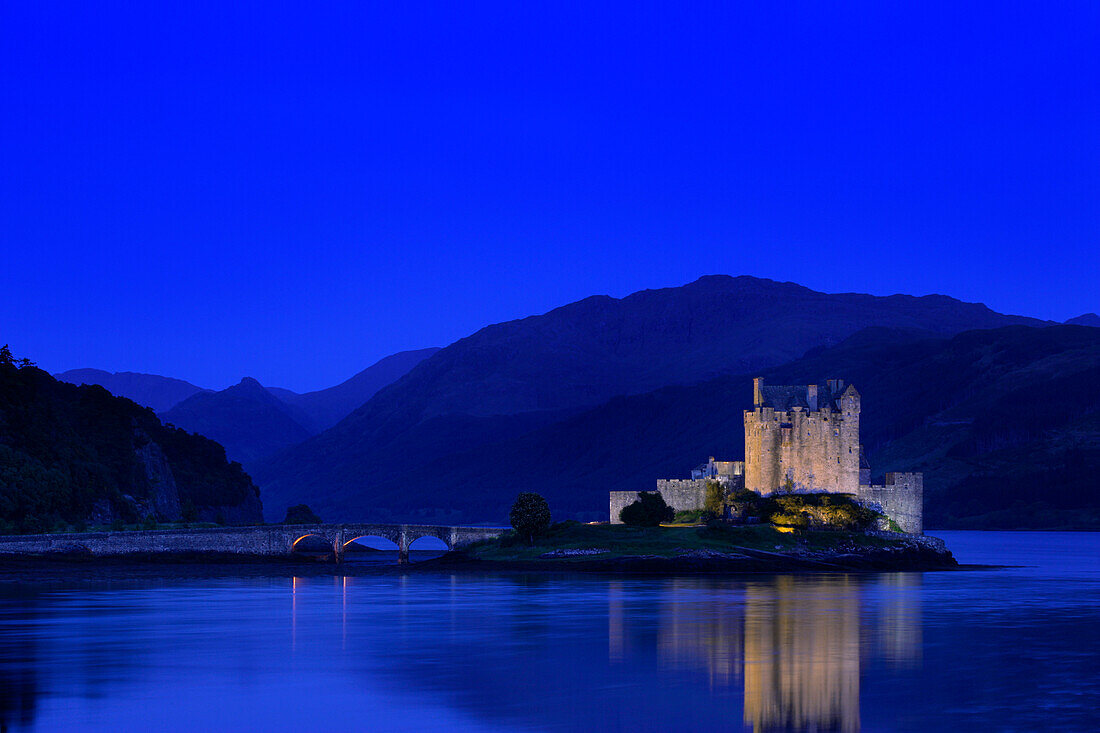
901	498
619	501
683	495
815	450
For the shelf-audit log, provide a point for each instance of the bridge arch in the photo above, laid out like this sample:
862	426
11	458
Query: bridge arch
294	543
430	542
374	536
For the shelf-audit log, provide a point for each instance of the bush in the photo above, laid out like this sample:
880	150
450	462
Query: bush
530	515
688	517
301	514
715	502
821	511
648	511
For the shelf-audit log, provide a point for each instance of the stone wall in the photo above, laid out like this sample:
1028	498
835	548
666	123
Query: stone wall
683	495
901	498
619	501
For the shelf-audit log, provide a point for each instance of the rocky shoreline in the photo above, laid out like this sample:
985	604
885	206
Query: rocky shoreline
905	553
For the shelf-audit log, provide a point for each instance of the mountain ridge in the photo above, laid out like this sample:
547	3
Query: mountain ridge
150	390
583	354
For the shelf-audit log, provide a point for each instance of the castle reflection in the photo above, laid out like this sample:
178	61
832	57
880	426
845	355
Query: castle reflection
793	642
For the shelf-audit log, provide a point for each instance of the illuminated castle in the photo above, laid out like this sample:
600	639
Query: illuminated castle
802	438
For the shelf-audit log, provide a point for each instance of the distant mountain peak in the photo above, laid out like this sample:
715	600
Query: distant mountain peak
1085	319
150	390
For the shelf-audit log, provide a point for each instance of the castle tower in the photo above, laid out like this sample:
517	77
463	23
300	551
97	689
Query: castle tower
803	438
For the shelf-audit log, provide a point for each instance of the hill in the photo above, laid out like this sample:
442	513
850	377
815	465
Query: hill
529	374
324	408
1005	424
1085	319
71	456
150	390
248	420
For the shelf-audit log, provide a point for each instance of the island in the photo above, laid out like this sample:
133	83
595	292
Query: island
802	499
710	548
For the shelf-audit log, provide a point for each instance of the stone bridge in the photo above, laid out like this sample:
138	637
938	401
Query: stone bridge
271	541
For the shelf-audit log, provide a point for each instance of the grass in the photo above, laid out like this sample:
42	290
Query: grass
667	541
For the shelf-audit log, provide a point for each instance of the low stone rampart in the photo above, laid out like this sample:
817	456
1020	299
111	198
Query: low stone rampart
901	498
619	501
683	495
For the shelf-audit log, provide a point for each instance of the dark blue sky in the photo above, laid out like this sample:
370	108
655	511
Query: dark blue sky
294	191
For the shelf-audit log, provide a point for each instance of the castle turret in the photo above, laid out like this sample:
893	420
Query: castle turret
802	438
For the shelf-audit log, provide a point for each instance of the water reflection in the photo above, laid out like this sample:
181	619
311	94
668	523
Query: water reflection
802	655
793	643
18	676
250	649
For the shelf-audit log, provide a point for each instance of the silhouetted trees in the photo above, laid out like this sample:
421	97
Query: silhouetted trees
530	515
301	514
648	511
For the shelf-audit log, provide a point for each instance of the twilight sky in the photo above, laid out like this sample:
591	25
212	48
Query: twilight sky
292	191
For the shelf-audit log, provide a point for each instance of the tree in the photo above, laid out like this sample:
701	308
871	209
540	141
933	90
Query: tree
715	502
7	358
530	515
301	514
648	511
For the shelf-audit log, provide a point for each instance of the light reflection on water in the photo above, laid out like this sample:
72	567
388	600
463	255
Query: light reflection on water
254	649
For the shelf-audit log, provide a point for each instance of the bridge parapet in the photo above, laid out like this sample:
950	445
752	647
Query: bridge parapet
270	540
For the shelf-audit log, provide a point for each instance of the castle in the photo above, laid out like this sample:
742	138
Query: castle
799	438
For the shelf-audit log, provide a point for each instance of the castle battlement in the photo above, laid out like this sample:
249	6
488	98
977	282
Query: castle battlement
802	438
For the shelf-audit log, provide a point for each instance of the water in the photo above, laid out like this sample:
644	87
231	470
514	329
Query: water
254	648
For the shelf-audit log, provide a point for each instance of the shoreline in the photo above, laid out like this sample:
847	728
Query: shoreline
572	548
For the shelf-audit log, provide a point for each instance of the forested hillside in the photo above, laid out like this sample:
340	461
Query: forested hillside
72	456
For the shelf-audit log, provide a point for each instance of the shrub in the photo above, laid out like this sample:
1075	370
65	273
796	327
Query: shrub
688	517
648	511
821	511
530	515
714	503
301	514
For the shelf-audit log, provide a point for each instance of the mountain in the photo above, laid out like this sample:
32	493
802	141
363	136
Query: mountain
1004	423
529	374
324	408
1085	319
248	420
72	455
151	390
